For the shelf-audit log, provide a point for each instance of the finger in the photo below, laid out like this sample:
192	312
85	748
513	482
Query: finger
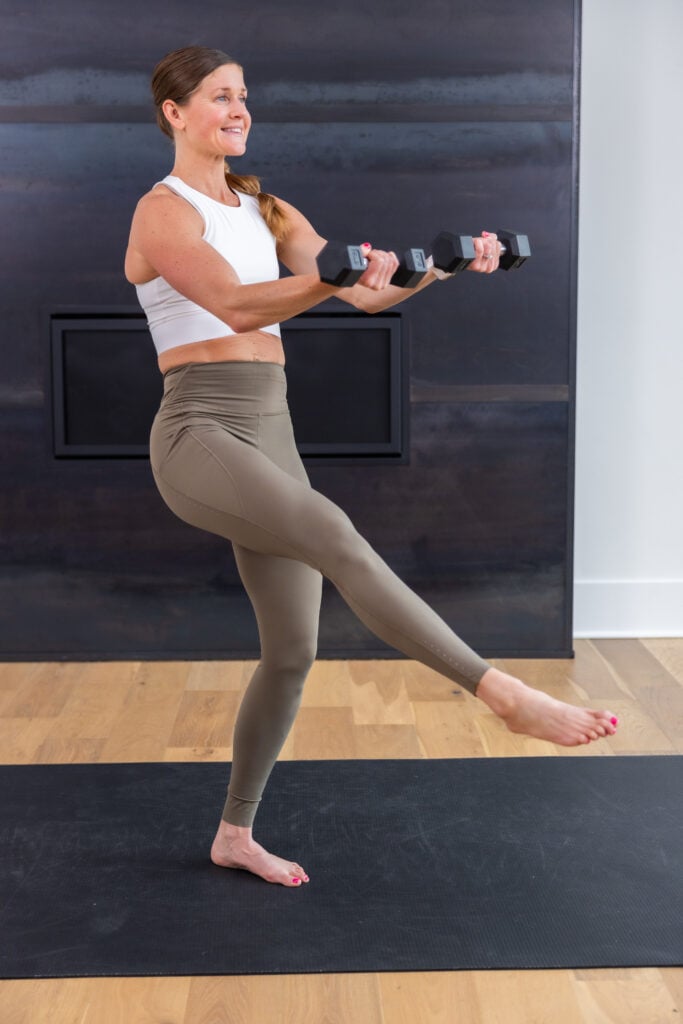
491	239
374	275
479	263
381	268
490	247
479	247
389	267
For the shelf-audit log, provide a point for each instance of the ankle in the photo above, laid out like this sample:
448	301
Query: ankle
499	691
243	834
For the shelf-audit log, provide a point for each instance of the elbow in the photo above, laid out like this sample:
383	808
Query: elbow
242	323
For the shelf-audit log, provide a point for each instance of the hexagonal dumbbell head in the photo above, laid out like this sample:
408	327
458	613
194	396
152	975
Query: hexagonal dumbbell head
340	264
452	253
517	249
411	269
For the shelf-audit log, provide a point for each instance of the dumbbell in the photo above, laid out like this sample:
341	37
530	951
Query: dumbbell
340	264
453	253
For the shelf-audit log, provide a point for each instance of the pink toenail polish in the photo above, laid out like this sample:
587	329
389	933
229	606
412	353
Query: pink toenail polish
614	721
297	881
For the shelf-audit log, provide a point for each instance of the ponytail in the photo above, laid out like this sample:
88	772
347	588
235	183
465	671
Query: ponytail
272	214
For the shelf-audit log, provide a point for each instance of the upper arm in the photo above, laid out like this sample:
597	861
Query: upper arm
301	244
167	232
299	248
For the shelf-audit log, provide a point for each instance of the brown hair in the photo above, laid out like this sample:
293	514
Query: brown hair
176	77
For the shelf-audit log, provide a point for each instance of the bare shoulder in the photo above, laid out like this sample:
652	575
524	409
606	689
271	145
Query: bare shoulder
160	203
162	222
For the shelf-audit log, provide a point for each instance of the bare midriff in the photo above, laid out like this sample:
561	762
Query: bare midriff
250	347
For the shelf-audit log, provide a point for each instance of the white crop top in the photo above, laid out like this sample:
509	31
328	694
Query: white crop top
242	237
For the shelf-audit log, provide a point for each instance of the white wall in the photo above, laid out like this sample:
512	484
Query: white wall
629	457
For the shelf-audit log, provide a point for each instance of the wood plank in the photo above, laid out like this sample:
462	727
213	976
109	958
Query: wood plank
430	997
45	691
379	695
594	677
673	980
424	684
328	685
97	696
383	741
650	682
21	738
519	997
133	1000
143	725
198	754
634	997
30	1000
205	718
669	653
285	999
219	675
447	729
323	733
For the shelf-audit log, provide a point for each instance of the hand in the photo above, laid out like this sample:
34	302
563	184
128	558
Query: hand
487	253
381	268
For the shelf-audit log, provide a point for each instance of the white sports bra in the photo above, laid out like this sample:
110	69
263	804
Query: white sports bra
242	237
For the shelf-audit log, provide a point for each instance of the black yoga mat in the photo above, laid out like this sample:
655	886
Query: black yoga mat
415	865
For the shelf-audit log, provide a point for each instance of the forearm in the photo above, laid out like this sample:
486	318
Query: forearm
250	307
375	302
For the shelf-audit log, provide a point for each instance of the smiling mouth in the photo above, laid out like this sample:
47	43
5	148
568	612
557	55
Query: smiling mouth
233	131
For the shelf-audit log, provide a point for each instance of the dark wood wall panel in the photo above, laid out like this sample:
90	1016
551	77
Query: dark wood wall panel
389	124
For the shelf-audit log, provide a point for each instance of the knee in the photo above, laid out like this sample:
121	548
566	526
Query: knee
292	662
346	550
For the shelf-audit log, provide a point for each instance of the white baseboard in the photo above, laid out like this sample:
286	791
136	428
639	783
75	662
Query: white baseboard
628	608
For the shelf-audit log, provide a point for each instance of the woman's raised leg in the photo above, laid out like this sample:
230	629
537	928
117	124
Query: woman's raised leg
233	489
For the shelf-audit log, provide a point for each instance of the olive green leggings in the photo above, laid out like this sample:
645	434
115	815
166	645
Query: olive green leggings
224	459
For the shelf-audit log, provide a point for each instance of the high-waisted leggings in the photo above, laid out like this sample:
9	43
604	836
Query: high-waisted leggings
224	459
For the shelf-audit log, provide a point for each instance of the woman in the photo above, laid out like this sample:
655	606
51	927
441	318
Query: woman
203	255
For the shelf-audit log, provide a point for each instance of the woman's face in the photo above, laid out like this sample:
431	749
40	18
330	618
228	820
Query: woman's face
215	117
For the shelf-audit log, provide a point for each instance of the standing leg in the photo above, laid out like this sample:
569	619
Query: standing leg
286	596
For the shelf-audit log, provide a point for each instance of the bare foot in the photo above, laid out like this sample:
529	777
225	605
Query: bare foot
537	714
234	847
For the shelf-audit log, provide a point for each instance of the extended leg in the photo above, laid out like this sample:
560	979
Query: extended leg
219	484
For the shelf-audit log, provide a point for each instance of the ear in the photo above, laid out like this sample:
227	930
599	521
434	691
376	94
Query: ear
173	115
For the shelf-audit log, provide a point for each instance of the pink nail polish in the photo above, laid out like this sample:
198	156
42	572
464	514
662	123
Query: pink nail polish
484	234
296	881
614	721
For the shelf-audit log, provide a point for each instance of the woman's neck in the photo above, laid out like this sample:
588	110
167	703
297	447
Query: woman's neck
206	177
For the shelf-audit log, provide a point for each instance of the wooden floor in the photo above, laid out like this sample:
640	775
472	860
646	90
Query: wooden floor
183	711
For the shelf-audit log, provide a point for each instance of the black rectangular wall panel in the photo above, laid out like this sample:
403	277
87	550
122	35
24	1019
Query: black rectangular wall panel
391	123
